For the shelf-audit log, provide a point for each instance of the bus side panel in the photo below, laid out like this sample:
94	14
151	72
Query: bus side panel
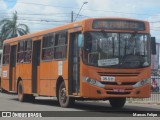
45	87
27	86
65	74
26	77
23	71
5	78
19	70
45	78
60	69
26	73
54	75
5	85
56	71
65	69
53	87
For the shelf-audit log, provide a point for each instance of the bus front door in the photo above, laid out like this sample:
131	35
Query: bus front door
35	64
74	65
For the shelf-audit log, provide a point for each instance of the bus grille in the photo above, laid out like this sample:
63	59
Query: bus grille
115	83
118	74
118	93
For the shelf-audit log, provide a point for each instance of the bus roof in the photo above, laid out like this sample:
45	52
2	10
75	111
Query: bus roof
62	27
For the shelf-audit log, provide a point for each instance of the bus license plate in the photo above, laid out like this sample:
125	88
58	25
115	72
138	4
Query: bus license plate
118	90
107	79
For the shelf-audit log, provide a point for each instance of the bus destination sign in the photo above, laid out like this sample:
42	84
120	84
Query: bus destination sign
118	25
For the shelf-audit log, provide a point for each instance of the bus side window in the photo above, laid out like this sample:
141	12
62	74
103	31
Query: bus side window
60	48
47	47
6	54
20	53
28	51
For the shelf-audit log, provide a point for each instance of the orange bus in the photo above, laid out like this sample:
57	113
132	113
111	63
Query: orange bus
92	59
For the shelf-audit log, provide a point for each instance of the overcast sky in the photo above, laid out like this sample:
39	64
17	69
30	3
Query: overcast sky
44	14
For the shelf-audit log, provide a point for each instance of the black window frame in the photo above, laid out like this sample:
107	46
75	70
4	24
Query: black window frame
61	45
47	44
20	52
27	55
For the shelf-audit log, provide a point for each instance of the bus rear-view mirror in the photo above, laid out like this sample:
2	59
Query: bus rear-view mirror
153	45
80	40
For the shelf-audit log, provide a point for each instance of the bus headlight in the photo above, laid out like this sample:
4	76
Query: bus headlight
93	82
142	82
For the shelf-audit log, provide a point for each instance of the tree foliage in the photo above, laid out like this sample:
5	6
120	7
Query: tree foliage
10	28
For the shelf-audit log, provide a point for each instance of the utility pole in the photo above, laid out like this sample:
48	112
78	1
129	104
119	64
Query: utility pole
72	16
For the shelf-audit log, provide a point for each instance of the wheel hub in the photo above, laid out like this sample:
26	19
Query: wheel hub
63	95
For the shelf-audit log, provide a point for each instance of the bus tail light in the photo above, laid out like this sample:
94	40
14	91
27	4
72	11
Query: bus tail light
93	82
141	83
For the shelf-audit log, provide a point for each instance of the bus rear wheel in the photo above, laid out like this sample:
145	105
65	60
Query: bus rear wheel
24	97
21	95
117	102
64	100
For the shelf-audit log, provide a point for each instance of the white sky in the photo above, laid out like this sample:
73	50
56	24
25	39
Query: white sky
44	14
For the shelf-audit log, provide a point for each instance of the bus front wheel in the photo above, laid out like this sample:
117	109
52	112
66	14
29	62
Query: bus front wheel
64	100
117	102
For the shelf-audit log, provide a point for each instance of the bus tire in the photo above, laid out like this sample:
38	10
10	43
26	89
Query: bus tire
29	98
117	102
64	100
2	91
21	96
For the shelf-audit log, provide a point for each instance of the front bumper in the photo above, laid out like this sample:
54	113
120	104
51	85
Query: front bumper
91	91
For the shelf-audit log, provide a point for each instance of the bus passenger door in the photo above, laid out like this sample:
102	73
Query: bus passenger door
35	64
74	65
12	68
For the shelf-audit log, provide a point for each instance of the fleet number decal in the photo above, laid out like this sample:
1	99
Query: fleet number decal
4	73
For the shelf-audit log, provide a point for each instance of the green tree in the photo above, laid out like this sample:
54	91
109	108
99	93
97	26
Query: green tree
10	28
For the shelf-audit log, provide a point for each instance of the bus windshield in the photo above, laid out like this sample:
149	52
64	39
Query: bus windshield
122	50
